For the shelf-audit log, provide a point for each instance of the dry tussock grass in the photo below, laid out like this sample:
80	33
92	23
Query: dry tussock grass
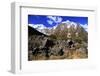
72	54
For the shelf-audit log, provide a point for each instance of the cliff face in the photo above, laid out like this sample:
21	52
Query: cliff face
66	41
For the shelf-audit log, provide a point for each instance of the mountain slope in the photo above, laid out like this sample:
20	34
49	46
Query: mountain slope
67	40
32	31
68	30
68	25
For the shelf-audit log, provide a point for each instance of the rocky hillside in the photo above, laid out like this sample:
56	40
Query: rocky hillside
74	31
67	40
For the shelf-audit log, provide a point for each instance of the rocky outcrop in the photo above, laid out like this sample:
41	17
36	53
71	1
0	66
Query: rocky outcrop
64	43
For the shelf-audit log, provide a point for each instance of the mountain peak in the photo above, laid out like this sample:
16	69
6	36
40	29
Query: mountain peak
61	26
69	23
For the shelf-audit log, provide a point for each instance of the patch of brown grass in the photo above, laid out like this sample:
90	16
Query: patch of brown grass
70	54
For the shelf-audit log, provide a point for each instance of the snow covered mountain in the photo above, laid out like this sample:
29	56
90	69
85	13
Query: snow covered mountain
61	26
69	24
42	28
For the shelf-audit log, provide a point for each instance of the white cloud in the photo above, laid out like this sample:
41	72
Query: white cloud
55	19
52	17
50	22
59	19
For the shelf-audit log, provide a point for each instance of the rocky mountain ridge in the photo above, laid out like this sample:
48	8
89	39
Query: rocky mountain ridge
66	41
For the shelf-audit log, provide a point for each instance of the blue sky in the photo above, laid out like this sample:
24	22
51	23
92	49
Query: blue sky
50	21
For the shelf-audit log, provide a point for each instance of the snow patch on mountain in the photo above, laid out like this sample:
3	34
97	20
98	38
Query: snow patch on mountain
71	23
49	30
42	28
39	27
85	26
